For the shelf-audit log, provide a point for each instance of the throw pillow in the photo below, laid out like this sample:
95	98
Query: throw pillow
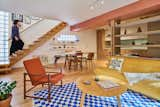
116	64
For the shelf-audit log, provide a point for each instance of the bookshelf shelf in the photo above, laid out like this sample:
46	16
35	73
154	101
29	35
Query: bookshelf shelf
139	22
139	34
156	45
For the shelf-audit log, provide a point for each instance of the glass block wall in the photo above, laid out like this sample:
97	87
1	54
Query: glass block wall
4	32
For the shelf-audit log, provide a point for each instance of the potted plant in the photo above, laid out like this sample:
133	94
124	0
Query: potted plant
5	93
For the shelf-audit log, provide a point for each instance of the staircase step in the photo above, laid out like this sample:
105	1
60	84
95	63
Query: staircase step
43	37
19	52
12	58
31	45
24	49
37	41
5	69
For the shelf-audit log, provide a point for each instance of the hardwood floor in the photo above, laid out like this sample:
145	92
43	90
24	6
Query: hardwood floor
17	74
70	76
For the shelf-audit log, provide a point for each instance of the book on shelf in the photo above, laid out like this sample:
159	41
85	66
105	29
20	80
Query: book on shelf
107	84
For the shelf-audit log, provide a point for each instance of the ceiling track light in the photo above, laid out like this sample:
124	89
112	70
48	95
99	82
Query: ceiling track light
96	4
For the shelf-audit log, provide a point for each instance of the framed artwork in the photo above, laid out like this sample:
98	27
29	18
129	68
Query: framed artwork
16	16
27	20
35	18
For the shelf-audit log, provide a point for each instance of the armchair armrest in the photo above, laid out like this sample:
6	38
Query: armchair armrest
42	76
60	71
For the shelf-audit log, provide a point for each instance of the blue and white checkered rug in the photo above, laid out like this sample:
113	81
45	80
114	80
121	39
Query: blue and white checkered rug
69	96
66	96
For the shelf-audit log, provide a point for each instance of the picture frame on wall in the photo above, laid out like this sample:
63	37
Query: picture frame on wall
16	16
35	18
27	20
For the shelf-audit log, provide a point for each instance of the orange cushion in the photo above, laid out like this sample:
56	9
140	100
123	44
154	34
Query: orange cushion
53	79
56	78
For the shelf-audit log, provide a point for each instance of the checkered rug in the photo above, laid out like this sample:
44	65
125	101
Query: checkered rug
128	99
69	96
66	96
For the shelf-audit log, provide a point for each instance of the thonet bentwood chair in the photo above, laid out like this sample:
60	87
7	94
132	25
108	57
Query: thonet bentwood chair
38	76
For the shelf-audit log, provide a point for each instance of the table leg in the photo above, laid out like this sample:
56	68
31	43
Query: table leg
82	99
119	101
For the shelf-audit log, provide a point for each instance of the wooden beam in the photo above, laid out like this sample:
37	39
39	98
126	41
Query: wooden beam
138	8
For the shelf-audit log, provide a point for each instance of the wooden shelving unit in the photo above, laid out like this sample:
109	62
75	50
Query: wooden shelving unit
140	41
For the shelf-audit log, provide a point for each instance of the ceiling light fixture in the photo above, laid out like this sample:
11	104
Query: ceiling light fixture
96	4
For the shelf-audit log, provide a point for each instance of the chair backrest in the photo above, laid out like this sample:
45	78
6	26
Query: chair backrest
79	53
34	69
90	55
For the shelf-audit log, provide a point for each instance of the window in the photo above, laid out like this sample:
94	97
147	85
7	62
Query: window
68	38
4	26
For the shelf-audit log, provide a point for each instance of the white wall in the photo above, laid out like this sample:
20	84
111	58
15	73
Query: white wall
87	43
37	30
87	40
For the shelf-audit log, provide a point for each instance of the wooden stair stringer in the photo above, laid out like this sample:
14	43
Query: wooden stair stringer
42	40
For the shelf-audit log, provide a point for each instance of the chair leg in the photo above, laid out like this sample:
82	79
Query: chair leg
81	65
61	83
49	89
42	85
86	64
49	93
75	66
24	86
70	64
65	64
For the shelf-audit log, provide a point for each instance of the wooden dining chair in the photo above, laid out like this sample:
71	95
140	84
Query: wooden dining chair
89	59
75	60
38	76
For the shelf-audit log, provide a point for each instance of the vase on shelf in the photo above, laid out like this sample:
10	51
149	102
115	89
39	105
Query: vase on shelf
125	31
139	29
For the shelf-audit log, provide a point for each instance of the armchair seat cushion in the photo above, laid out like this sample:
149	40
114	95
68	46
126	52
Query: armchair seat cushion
55	78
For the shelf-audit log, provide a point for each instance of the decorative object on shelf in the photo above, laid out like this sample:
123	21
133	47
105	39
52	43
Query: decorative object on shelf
109	35
16	16
139	29
147	43
133	43
5	93
125	31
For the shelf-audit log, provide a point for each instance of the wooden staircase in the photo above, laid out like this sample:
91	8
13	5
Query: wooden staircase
32	47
